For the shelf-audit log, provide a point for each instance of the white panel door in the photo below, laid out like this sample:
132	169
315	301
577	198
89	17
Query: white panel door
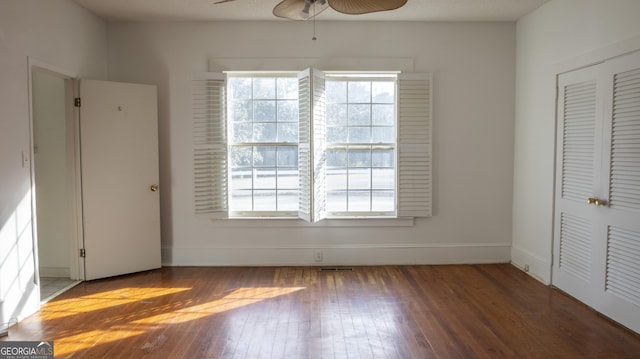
597	208
120	193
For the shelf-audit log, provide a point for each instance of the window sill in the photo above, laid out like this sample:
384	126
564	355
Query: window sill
330	222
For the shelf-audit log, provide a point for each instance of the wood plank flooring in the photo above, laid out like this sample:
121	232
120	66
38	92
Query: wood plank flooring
467	311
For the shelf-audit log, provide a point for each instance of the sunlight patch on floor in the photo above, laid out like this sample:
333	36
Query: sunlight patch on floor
103	300
236	299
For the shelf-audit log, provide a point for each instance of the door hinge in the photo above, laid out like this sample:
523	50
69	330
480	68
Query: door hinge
83	253
77	102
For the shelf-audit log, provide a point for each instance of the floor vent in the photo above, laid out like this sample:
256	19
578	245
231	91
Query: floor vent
336	269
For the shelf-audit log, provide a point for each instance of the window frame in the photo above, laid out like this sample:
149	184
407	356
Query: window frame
268	214
371	77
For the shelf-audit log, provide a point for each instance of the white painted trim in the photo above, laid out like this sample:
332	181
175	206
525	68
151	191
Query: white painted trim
365	254
597	56
539	267
300	63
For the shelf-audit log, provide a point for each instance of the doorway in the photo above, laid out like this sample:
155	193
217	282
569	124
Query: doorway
56	181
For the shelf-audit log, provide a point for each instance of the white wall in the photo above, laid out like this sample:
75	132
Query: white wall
474	80
560	35
55	32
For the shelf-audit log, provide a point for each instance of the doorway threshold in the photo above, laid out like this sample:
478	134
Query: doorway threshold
51	287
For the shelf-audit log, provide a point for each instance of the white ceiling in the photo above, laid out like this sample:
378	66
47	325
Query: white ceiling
205	10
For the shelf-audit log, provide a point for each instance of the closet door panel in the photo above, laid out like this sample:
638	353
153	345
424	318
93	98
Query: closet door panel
577	177
620	295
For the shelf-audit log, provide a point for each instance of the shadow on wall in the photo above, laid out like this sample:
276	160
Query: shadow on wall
17	262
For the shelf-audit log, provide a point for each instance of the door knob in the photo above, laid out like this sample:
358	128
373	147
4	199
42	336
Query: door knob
596	201
154	188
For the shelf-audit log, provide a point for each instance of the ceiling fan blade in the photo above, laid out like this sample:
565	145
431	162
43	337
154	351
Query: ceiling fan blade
300	9
357	7
223	1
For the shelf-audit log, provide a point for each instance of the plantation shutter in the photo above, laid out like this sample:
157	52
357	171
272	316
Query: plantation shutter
319	145
305	200
210	146
414	145
311	145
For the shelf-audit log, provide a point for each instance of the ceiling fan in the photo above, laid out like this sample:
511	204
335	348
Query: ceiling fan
307	9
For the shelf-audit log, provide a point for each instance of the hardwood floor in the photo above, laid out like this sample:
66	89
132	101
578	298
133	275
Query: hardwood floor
467	311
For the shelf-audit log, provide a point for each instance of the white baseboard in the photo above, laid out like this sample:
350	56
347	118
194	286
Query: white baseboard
539	268
58	272
340	255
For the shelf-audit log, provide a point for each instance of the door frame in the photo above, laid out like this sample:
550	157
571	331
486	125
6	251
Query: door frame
76	262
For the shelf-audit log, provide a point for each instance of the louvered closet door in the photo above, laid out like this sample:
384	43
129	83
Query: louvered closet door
620	217
597	209
577	179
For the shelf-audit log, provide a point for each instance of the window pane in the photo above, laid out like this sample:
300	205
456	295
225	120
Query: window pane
264	156
337	201
359	134
336	91
336	115
264	132
383	178
336	158
383	92
287	88
382	201
288	179
337	135
359	92
337	178
383	158
242	132
360	178
287	132
359	201
359	115
288	157
288	111
242	200
383	115
264	88
264	111
287	200
264	178
241	111
242	178
264	200
359	158
240	88
382	135
241	157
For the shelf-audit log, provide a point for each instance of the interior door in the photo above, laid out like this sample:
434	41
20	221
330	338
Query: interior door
577	171
620	209
120	193
597	206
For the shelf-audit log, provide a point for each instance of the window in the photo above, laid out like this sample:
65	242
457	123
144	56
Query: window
263	147
312	145
360	145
